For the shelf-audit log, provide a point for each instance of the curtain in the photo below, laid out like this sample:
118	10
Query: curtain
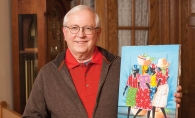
125	19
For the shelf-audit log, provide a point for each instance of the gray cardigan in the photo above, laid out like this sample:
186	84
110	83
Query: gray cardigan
54	94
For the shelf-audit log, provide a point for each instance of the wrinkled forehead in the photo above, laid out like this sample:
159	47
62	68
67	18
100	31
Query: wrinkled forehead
81	16
83	12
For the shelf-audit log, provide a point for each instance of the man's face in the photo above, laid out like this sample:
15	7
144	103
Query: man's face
81	43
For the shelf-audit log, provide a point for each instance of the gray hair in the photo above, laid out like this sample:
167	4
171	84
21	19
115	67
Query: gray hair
80	7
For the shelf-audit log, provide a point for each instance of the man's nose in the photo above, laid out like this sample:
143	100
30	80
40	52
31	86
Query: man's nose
81	32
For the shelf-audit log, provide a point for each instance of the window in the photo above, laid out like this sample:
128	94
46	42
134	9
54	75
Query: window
133	23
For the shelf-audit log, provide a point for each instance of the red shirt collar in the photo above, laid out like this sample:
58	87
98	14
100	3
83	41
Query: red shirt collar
71	62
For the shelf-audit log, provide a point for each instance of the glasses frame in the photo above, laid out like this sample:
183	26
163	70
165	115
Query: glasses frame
69	27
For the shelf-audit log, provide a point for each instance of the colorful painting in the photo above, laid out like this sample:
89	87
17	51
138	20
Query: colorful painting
148	80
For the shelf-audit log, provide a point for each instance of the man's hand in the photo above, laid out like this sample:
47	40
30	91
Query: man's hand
178	96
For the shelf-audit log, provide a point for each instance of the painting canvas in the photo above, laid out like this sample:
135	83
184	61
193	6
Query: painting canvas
149	76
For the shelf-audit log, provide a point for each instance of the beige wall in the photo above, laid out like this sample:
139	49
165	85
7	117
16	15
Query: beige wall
5	53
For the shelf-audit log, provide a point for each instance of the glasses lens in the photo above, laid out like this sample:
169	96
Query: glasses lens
74	29
87	30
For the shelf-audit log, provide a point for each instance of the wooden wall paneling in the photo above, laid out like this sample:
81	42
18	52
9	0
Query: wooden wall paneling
112	26
187	79
184	64
184	42
191	24
174	22
23	6
164	21
180	21
101	10
160	28
191	87
15	55
27	6
107	11
153	23
191	38
41	29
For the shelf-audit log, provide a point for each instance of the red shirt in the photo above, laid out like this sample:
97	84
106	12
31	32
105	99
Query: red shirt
132	81
86	78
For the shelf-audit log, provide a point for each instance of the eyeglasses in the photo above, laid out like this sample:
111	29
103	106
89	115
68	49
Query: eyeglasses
75	29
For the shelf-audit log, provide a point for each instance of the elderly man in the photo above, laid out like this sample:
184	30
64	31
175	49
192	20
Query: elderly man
83	81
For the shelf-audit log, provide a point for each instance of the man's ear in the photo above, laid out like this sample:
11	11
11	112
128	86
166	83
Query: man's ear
64	32
99	32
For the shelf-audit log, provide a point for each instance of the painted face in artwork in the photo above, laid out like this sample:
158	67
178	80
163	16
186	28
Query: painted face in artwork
144	69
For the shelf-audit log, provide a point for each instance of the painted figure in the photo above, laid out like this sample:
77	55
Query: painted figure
132	85
162	75
153	81
143	94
